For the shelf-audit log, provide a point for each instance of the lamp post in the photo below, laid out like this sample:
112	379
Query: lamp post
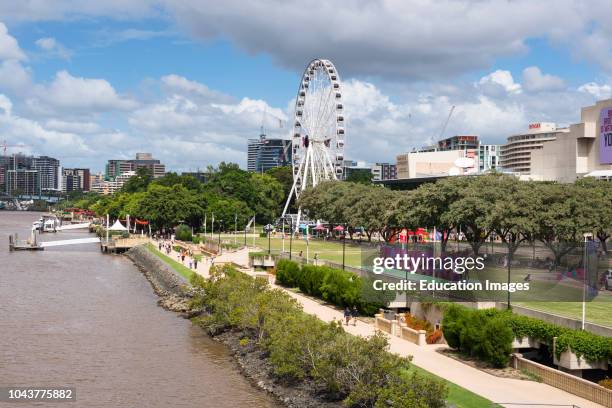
290	236
268	231
584	274
220	227
343	245
245	228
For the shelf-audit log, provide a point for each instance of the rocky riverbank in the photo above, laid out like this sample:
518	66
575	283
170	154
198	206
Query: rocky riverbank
175	294
174	290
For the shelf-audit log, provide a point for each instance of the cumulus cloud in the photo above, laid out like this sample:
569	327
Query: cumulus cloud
498	81
82	94
599	91
534	80
54	48
9	49
177	84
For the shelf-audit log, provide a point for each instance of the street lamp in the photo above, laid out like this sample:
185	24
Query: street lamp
343	244
290	236
268	228
220	227
245	228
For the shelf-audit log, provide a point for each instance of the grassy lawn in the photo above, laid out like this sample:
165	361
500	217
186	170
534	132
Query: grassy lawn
177	266
597	312
457	396
328	250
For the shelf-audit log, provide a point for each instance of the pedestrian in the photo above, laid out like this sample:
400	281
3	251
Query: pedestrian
183	257
347	316
354	314
190	264
195	263
300	254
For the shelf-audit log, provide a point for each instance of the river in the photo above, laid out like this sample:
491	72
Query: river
71	316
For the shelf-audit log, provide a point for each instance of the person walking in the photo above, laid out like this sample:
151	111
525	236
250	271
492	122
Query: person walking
195	263
354	315
347	316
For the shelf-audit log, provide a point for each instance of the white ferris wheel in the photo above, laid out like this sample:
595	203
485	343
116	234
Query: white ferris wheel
319	129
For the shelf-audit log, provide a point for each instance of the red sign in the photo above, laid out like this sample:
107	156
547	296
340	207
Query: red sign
534	125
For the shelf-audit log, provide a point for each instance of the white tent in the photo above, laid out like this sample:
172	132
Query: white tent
117	226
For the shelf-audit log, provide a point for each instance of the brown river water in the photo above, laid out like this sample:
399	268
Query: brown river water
71	316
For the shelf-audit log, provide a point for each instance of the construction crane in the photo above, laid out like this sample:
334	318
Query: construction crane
450	113
5	146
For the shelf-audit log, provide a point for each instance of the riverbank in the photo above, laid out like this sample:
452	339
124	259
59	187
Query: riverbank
175	294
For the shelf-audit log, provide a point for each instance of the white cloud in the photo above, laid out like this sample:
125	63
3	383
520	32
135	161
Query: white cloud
599	91
9	49
82	94
73	127
36	137
534	80
500	79
14	76
53	47
181	85
6	105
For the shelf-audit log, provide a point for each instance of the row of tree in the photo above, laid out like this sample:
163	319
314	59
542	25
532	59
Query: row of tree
231	194
515	211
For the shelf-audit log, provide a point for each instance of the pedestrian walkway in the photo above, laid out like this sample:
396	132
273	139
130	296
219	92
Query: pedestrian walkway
496	389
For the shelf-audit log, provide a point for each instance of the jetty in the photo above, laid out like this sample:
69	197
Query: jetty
24	245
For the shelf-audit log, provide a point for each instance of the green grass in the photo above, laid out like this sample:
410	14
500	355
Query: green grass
177	266
597	312
328	250
457	396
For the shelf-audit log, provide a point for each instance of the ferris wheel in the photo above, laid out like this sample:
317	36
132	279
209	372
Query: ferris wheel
319	129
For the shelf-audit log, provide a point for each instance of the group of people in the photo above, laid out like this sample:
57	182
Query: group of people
182	255
350	314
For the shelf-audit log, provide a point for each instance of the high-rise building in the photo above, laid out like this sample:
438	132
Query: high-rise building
23	181
384	171
75	180
264	154
515	155
459	142
111	186
488	157
31	175
49	173
117	167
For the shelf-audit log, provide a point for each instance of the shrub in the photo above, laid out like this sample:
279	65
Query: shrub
287	273
414	391
300	346
196	239
183	233
434	337
606	383
495	344
452	323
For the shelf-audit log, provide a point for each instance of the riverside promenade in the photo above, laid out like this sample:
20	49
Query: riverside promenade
507	392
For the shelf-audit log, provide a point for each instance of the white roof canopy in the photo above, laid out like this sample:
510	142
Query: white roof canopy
117	226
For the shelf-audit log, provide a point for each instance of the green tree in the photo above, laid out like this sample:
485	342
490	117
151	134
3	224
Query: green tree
139	182
360	176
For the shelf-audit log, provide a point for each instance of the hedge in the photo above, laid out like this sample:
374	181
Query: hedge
335	286
464	329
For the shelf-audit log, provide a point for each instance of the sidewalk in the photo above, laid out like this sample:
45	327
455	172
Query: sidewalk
496	389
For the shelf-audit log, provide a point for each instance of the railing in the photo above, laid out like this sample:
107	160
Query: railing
566	382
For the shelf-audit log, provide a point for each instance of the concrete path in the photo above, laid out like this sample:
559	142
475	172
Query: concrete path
496	389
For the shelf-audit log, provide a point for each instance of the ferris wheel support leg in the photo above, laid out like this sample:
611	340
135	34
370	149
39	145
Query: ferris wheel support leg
289	198
297	220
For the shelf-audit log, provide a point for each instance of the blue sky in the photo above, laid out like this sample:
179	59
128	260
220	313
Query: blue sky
190	81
